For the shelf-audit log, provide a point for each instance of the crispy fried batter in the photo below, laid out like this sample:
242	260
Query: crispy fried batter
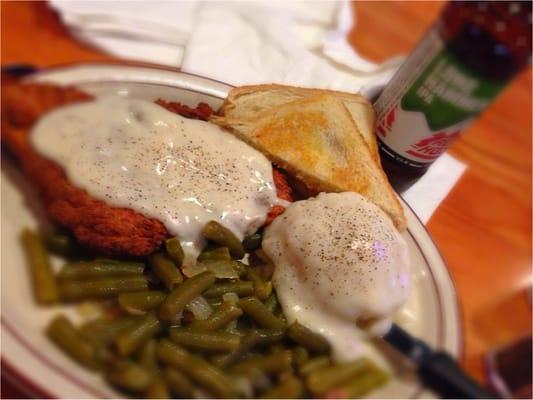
202	111
105	229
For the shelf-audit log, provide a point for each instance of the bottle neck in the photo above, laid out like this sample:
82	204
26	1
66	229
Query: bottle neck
491	38
479	52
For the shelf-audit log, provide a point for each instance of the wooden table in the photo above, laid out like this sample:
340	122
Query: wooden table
483	228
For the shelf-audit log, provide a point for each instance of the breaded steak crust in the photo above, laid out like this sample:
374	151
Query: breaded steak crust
103	228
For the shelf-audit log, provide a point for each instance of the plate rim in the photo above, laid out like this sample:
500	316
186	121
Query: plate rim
168	76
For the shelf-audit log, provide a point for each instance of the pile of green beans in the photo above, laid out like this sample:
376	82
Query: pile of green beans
153	344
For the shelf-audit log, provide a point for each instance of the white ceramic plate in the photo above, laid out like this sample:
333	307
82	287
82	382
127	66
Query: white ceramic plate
42	370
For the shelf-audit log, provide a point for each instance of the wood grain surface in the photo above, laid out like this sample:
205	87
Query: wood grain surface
483	228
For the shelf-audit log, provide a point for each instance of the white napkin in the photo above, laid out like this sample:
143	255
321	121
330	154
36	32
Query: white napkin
294	42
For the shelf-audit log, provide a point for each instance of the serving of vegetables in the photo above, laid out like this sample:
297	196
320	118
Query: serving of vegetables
214	329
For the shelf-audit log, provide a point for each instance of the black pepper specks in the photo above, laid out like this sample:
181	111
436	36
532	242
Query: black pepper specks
135	154
343	249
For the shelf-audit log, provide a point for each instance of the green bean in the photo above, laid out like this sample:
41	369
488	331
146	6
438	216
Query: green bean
224	237
196	368
262	289
101	288
216	253
222	316
65	336
60	244
248	342
100	269
102	331
300	356
241	268
43	281
289	388
268	364
184	293
252	339
129	376
362	384
131	339
217	342
174	250
260	314
321	380
140	302
222	269
178	383
241	288
270	336
252	242
281	316
165	269
157	390
260	260
314	364
312	341
146	356
272	303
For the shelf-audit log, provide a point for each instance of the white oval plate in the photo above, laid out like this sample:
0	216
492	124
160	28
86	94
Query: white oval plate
42	370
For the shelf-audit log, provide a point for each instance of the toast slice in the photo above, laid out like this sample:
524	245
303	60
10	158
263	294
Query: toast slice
316	140
247	102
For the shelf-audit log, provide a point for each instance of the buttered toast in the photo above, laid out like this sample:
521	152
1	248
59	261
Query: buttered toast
247	102
316	140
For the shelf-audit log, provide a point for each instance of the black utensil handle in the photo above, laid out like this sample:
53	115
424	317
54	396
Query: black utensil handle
442	373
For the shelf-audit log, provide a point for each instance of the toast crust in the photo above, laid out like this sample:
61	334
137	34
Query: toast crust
238	91
231	104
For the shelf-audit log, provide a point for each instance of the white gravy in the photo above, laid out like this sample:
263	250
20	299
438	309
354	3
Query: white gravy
183	172
338	259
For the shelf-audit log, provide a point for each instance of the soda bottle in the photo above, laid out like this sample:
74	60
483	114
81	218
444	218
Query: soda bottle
467	57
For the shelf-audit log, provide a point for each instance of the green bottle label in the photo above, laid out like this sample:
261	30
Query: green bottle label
448	93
